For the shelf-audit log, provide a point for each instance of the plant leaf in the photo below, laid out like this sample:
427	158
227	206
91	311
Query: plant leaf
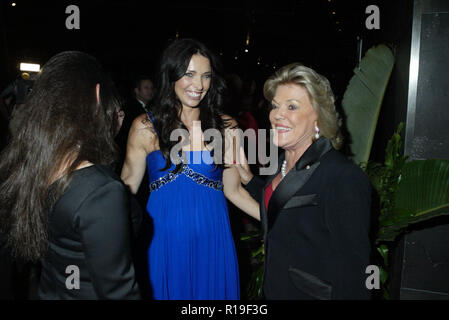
383	275
258	251
422	193
383	251
250	235
363	98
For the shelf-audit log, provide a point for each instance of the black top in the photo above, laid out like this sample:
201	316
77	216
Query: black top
90	228
316	228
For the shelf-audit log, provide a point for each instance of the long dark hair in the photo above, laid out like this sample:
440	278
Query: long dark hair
62	126
167	107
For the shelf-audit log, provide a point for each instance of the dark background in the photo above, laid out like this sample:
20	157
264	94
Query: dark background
128	36
327	35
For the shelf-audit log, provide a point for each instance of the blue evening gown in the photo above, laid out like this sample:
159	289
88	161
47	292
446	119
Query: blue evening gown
192	253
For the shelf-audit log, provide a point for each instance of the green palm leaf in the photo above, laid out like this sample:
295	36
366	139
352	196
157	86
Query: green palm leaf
363	98
422	193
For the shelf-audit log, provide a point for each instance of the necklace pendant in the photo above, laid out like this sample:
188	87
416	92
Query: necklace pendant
284	169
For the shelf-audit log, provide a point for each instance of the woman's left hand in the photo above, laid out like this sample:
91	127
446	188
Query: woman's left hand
243	168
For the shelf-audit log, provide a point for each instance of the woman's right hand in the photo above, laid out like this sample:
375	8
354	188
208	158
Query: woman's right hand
243	168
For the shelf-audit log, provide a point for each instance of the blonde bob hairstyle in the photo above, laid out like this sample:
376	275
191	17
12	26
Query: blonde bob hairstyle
320	95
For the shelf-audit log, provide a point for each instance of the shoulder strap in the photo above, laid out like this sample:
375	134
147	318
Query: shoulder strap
152	120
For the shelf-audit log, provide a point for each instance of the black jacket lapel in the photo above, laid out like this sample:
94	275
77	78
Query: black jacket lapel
295	179
292	182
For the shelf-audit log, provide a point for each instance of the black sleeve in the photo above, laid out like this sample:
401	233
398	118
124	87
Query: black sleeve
255	187
136	215
348	207
104	221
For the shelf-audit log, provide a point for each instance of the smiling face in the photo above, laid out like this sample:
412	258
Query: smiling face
192	87
292	117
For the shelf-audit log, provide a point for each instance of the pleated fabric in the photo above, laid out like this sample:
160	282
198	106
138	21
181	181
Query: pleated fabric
192	254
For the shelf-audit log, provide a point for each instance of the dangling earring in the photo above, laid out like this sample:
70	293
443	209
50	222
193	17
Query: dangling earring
317	132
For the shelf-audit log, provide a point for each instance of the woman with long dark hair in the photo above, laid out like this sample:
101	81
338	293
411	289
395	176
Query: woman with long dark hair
192	253
60	202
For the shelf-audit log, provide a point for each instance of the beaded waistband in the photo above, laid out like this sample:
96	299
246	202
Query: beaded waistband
188	172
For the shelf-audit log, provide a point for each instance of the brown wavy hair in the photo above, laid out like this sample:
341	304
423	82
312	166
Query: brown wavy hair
63	126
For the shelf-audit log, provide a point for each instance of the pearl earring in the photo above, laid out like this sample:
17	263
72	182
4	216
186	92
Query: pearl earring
317	132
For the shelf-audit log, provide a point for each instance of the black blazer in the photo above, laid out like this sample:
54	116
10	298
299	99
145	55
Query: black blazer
316	229
90	227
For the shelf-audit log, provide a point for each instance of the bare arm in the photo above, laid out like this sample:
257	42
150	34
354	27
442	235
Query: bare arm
235	192
232	187
141	141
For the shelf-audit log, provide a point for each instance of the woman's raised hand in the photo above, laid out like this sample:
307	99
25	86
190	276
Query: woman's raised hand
243	167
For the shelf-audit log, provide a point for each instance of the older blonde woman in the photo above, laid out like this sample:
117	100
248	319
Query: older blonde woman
315	210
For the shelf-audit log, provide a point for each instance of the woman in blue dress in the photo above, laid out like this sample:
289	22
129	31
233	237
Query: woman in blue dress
192	253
